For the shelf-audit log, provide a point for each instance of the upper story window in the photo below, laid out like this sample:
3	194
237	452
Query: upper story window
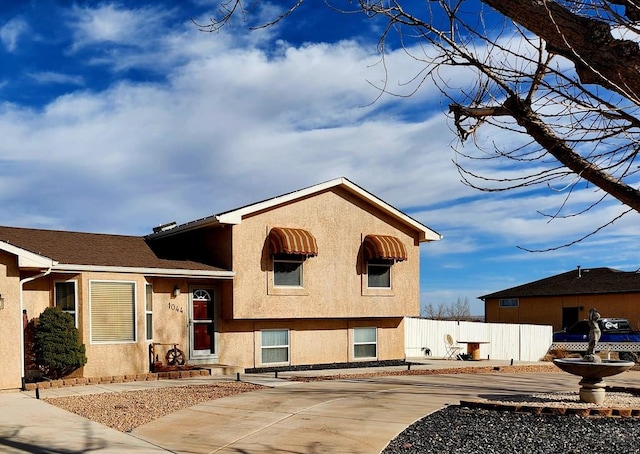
65	298
380	253
379	273
290	248
287	270
509	302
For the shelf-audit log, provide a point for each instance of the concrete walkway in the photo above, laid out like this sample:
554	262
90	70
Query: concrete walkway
334	416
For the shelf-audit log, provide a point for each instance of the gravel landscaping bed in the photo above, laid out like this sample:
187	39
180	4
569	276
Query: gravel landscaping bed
542	368
460	430
540	429
124	411
616	398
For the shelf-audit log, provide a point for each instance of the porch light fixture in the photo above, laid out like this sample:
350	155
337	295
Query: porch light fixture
176	291
1	302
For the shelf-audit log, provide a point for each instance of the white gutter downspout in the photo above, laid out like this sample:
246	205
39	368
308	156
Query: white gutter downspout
22	282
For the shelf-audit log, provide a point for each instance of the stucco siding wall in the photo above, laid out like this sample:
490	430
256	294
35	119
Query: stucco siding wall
391	339
170	326
310	341
237	345
320	343
37	296
170	314
334	283
170	317
10	324
170	321
113	358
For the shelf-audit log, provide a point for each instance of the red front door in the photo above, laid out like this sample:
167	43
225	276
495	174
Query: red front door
203	339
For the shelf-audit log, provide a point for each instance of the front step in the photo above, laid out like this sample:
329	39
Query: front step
221	369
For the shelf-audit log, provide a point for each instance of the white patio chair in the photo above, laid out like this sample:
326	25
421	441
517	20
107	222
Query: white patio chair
452	350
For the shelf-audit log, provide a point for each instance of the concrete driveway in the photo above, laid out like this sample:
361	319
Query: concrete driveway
334	416
342	416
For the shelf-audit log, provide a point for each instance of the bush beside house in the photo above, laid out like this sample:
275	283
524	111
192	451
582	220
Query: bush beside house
57	345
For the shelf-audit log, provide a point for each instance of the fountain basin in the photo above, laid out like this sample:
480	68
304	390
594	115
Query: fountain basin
592	385
592	370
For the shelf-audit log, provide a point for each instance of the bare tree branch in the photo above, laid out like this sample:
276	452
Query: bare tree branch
586	41
561	76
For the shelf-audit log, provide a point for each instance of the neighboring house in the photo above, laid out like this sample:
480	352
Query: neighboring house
564	299
321	275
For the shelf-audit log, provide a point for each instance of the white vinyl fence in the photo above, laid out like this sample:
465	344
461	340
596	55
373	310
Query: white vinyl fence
505	341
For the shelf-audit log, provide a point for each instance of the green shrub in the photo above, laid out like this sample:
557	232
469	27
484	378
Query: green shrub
58	348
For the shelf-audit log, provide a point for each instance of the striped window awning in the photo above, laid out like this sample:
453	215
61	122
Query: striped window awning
292	241
384	247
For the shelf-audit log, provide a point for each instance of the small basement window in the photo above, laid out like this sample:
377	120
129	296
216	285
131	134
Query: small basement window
274	346
365	342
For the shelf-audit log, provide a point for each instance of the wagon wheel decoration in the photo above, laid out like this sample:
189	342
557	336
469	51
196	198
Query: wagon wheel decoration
175	357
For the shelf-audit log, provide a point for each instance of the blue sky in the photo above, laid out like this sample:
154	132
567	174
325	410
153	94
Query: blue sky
119	116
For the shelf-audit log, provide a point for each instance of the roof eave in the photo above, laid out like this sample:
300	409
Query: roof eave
147	271
27	259
558	294
235	216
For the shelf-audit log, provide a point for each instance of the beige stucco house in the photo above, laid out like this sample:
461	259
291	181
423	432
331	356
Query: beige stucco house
320	275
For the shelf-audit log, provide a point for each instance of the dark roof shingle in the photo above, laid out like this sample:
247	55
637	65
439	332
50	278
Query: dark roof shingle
94	249
576	282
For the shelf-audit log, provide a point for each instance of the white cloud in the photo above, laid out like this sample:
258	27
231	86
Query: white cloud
234	121
218	118
515	216
110	23
51	77
12	32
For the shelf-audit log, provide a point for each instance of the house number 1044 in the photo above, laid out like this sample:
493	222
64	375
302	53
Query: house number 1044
175	307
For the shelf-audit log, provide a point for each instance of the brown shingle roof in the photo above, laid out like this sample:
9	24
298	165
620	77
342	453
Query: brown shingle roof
576	282
93	249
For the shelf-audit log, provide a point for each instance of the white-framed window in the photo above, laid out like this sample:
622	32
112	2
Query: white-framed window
148	312
113	311
509	302
65	297
287	270
274	346
365	342
379	273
